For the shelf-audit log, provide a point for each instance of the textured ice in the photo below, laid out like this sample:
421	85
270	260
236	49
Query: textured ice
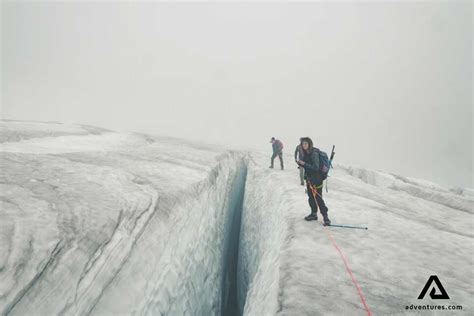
109	223
104	223
21	130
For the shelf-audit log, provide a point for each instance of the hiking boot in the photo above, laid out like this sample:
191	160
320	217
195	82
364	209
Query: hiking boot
327	222
311	217
271	167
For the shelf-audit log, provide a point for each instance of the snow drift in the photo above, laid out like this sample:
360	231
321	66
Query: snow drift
103	223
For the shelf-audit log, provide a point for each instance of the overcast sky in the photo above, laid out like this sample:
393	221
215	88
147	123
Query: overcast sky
390	84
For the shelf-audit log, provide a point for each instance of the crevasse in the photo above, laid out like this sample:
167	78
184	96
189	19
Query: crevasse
197	272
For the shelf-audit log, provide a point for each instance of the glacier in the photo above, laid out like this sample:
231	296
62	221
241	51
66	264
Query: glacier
106	223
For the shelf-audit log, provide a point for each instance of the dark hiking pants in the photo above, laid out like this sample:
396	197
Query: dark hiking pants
316	199
280	156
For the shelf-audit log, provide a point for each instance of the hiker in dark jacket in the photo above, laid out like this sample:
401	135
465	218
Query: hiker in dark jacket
299	154
277	147
314	181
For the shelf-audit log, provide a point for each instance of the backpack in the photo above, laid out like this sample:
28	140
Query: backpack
324	164
280	144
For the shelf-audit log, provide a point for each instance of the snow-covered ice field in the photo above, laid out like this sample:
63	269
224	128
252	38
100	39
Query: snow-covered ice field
104	223
416	229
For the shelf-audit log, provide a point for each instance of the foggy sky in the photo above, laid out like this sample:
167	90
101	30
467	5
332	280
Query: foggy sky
390	84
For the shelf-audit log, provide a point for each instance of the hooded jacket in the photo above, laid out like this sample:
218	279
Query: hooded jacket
312	164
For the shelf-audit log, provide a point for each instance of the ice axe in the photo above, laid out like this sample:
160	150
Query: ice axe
330	163
332	155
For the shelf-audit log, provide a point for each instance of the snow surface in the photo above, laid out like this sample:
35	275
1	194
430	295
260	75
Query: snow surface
103	223
416	229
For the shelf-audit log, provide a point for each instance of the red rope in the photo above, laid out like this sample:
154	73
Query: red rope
348	269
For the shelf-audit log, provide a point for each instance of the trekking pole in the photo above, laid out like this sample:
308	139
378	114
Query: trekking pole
349	226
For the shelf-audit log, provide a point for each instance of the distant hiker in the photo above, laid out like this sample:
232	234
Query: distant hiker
277	147
314	180
299	154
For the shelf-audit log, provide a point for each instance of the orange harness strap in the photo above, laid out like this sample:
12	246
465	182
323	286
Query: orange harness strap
314	189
